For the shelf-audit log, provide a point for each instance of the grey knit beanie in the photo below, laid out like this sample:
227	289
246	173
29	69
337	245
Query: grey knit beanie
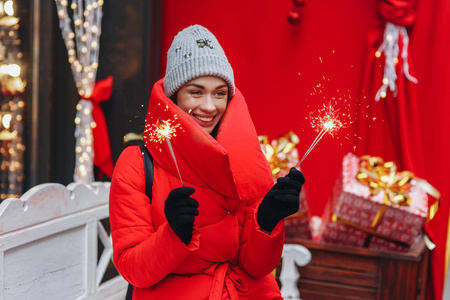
196	52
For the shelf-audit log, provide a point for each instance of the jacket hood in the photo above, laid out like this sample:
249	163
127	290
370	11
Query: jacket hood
232	164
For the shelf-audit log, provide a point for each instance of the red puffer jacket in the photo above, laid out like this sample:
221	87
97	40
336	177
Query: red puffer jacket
229	256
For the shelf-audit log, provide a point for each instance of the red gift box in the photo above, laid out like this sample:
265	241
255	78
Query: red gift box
282	156
358	215
299	224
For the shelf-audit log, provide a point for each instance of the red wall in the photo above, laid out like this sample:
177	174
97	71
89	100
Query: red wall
278	65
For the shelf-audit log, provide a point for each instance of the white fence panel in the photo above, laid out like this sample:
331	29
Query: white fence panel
48	244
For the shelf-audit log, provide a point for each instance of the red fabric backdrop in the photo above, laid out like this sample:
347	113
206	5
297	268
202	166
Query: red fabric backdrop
286	71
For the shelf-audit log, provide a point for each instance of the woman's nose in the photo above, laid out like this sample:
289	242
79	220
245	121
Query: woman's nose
208	103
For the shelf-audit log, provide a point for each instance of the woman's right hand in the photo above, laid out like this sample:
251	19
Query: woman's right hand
181	210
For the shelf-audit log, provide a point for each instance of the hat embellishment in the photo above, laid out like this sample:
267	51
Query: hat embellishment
205	42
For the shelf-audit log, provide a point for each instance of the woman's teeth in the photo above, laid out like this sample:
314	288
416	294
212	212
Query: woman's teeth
204	119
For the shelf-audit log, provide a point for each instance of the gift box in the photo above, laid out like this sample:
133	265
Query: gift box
373	205
282	156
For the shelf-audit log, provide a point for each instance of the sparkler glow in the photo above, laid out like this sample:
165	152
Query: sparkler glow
166	131
326	121
163	131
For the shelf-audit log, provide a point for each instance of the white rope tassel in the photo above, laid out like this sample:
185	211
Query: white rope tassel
391	51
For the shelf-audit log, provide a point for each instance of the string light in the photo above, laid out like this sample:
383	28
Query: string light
12	105
82	43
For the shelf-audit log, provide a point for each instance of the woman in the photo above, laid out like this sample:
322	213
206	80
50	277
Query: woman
213	230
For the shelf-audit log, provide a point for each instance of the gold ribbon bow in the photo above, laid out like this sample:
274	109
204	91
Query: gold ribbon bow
383	176
280	156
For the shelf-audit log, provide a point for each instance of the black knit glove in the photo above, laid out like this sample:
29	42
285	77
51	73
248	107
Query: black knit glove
181	210
281	201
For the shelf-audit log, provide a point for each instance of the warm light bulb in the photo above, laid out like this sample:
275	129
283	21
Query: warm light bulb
383	94
13	70
9	8
6	121
385	81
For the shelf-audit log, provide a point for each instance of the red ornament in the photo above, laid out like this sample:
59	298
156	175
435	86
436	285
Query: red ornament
299	3
294	17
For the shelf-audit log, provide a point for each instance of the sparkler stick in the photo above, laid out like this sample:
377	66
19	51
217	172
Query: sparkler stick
329	122
166	133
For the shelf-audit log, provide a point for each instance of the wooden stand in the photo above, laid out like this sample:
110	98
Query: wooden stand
342	272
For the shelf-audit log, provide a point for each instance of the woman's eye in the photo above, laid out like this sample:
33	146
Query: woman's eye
195	93
221	94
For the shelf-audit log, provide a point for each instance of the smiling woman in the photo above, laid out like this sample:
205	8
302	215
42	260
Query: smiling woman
221	234
205	100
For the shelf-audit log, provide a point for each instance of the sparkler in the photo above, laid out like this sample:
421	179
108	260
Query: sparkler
327	121
165	132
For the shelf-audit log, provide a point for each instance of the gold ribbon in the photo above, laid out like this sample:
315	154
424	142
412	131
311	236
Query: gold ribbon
280	155
383	176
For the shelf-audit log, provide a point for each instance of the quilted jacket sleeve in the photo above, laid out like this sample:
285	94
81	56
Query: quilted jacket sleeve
259	252
142	254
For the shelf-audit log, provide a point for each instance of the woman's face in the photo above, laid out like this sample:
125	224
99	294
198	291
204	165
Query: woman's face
205	100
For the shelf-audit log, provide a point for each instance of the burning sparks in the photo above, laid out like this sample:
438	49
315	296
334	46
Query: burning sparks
326	118
326	121
162	131
167	131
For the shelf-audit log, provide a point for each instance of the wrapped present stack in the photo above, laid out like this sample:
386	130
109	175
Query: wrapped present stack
282	156
374	206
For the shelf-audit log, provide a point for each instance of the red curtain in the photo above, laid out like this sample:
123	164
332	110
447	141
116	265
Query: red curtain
286	71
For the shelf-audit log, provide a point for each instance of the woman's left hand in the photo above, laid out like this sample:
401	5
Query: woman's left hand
281	201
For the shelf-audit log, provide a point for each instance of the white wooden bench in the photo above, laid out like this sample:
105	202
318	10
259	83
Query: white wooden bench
48	244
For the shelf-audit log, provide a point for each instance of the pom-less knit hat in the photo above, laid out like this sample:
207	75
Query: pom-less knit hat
196	52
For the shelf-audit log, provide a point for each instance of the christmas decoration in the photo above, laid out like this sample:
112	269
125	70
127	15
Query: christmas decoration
294	17
375	206
299	3
82	48
11	105
281	153
398	15
102	149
